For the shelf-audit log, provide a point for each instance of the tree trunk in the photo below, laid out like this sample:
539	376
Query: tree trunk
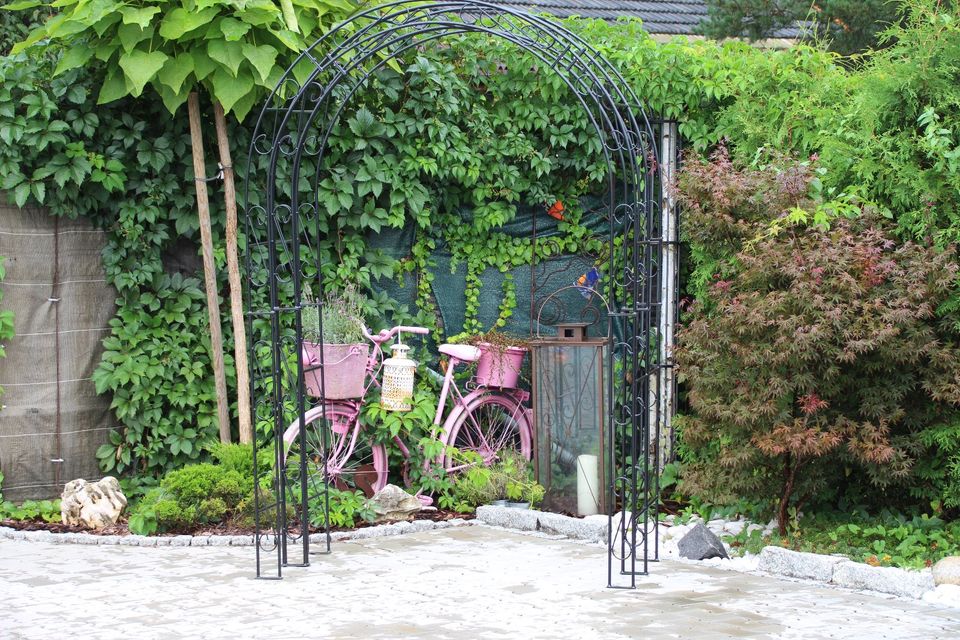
789	476
233	272
209	268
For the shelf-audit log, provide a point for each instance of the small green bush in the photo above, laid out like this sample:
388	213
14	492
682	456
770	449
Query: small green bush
887	539
238	457
200	494
346	508
31	510
475	487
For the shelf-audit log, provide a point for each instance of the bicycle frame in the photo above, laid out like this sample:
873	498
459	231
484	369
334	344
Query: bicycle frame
462	404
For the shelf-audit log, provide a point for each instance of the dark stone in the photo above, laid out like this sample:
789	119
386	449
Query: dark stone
700	544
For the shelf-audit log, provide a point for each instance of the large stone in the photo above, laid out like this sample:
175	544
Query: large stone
947	571
899	582
94	505
796	564
700	544
393	503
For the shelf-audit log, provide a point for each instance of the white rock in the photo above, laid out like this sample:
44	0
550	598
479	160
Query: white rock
734	528
92	504
945	594
754	527
947	571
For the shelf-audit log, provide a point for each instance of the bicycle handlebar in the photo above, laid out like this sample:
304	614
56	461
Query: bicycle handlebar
420	330
386	334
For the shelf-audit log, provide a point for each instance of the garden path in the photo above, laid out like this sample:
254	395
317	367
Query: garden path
464	583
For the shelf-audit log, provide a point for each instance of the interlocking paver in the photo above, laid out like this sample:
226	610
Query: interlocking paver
464	583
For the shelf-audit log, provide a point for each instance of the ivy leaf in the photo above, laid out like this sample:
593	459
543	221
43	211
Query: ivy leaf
175	71
73	57
229	54
77	94
229	90
39	191
140	67
139	17
180	21
21	193
263	59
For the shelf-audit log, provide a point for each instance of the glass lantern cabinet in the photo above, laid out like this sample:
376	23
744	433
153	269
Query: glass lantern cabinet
568	407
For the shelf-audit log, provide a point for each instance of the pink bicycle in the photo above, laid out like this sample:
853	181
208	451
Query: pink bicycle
486	420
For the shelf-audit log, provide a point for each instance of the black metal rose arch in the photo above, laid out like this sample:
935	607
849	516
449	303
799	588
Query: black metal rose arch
284	276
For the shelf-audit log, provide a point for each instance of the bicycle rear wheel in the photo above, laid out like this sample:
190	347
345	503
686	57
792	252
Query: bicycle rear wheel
491	424
335	444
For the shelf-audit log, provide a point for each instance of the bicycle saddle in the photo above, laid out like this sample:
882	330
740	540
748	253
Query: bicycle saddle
462	352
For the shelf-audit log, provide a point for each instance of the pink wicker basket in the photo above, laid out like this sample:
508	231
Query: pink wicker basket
344	367
499	367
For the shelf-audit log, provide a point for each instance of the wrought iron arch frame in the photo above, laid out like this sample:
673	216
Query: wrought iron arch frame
296	123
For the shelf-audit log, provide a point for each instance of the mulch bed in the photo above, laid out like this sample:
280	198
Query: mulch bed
120	529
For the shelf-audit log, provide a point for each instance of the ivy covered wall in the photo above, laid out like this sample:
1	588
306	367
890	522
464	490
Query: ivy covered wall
470	125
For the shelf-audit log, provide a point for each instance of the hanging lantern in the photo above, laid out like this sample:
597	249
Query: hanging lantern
397	391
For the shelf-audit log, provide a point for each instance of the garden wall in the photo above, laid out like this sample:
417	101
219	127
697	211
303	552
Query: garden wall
52	411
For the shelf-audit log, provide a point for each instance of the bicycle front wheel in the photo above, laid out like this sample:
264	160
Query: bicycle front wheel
335	444
490	425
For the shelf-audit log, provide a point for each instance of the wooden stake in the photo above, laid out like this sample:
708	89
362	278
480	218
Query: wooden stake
233	272
209	267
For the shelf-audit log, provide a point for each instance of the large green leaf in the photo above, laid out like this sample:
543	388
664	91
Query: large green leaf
140	67
203	66
139	17
289	16
65	28
21	5
175	71
233	29
228	89
130	35
73	57
229	54
172	100
263	58
180	21
114	88
290	39
242	107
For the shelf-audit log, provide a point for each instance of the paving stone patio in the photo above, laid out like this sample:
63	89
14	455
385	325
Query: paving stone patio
464	583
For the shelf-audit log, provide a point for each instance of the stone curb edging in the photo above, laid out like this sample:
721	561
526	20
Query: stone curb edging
836	571
590	528
379	531
841	572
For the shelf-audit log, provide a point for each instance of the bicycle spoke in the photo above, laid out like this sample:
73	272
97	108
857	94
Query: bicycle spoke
490	426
